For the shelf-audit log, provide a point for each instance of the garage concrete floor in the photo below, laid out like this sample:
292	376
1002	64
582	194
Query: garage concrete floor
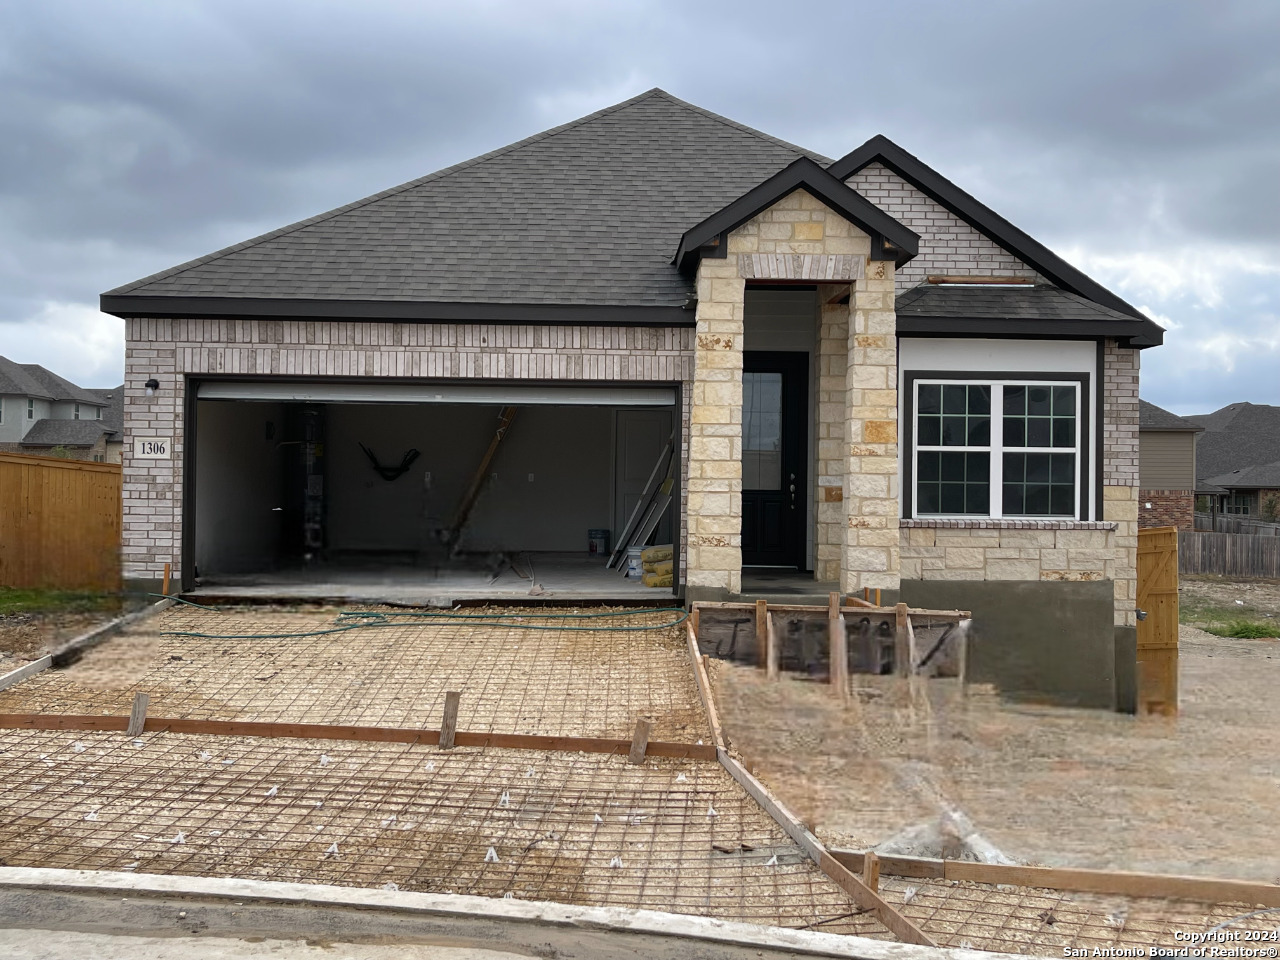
557	576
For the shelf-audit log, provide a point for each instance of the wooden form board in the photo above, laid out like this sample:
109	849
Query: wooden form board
1158	631
859	892
1121	883
324	731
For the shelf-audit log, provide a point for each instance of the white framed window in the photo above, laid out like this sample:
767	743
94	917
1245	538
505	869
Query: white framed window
97	413
997	446
77	412
31	409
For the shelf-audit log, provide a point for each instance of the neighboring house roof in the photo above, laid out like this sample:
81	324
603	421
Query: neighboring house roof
1237	436
14	379
1263	476
889	238
1151	417
881	149
988	310
65	433
33	380
586	214
577	224
113	413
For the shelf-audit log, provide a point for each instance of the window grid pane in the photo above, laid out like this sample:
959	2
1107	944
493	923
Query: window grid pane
951	482
954	415
1039	415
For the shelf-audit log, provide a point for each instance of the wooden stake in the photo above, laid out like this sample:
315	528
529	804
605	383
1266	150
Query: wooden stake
877	597
901	650
639	740
165	589
837	648
138	715
449	726
772	660
762	632
871	870
866	594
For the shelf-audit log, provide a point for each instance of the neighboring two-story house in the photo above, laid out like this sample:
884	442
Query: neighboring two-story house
1166	468
869	378
42	413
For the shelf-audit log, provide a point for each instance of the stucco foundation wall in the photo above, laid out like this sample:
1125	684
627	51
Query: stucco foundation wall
1046	641
1166	508
172	349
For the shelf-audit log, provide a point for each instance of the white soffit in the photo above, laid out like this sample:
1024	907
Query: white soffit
495	393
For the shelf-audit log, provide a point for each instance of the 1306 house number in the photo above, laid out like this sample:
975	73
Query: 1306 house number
151	448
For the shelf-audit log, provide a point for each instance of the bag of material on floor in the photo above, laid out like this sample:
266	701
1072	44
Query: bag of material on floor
661	567
656	554
657	579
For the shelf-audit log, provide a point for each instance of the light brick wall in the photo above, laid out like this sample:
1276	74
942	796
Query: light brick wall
948	245
1008	550
832	399
1120	471
872	484
169	350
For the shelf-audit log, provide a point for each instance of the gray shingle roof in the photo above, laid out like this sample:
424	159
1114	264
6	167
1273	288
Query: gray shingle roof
33	380
113	414
587	213
1151	417
1237	436
1263	476
65	433
14	379
989	302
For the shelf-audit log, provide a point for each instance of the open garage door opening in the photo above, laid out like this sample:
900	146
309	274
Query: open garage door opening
429	493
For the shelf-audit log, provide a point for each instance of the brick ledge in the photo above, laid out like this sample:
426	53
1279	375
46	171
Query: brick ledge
988	524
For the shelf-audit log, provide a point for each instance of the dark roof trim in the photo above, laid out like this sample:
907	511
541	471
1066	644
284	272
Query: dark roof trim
890	239
242	308
980	217
1135	332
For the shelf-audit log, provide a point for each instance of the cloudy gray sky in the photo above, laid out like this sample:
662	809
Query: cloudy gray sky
1141	140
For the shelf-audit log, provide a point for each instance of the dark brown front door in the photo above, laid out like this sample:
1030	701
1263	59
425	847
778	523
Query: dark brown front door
774	441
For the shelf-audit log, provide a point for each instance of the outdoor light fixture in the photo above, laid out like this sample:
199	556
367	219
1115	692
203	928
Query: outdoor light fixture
152	386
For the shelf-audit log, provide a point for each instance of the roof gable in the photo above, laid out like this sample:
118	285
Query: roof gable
881	149
1151	417
890	240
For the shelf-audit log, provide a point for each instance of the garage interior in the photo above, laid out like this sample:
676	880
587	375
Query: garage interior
425	493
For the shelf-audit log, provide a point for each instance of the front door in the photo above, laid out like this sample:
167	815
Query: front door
774	441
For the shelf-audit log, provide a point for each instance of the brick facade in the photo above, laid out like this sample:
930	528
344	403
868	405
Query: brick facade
1120	471
172	350
1166	508
948	245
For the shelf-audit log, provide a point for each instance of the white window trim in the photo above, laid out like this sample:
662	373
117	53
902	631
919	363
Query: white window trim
31	408
996	449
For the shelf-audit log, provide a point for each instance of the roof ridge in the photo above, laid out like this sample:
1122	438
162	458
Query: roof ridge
393	191
712	115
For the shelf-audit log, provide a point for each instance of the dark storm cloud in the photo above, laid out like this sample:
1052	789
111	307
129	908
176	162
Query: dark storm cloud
1141	139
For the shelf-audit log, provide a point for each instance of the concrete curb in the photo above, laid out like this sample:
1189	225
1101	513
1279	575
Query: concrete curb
513	923
69	652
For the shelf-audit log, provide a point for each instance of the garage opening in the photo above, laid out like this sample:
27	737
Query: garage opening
429	493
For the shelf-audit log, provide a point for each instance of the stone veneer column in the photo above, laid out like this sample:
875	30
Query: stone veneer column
1120	473
872	486
714	561
828	491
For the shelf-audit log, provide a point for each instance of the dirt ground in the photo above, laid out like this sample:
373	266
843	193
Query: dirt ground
26	636
1047	785
1207	600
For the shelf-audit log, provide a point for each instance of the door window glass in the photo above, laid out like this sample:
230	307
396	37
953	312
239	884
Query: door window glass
762	431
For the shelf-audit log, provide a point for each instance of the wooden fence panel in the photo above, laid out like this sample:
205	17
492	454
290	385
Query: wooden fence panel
59	523
1158	630
1226	524
1229	554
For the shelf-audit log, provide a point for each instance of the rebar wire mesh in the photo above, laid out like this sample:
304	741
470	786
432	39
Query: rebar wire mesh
588	829
557	682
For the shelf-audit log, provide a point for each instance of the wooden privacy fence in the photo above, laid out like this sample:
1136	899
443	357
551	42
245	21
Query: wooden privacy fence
59	523
1158	623
1209	523
1229	554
